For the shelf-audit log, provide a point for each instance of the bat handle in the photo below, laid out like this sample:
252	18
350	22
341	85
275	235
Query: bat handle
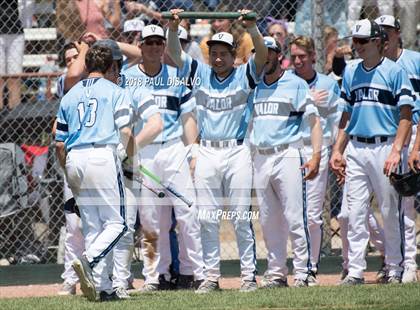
188	202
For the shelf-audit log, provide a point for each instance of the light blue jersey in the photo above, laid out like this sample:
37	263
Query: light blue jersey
329	112
222	109
279	110
410	61
60	85
374	97
169	93
92	112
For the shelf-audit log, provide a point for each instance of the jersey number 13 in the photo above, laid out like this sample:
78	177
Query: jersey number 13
87	120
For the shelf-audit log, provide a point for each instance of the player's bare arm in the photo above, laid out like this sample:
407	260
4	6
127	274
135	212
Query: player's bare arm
190	137
152	128
337	161
312	165
404	128
261	50
132	52
174	45
77	68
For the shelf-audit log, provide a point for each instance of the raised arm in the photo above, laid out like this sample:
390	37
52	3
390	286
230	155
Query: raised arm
174	46
261	50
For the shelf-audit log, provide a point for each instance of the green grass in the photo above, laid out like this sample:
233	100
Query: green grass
361	297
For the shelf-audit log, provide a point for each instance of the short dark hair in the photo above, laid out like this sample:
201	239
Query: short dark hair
62	58
98	59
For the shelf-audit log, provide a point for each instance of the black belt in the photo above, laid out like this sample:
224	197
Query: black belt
371	140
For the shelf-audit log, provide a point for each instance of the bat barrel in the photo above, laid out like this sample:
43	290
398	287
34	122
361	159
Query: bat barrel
211	15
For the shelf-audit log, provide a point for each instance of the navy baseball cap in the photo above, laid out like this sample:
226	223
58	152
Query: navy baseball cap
365	29
113	46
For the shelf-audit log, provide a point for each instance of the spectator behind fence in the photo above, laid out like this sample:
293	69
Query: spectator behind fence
146	10
277	29
241	38
11	51
76	17
330	37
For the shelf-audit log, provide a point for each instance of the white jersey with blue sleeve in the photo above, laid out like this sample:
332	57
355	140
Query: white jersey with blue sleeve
169	93
222	105
410	61
329	111
92	112
374	97
279	110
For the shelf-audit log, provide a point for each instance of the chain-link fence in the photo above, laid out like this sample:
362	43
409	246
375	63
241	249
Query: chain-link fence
32	36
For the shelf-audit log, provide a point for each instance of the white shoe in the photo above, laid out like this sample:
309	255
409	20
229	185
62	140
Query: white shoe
149	287
312	281
67	289
84	272
122	293
207	286
409	275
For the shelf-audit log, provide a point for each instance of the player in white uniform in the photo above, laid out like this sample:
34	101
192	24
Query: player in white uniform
224	168
167	158
373	127
282	105
91	118
410	61
74	242
325	92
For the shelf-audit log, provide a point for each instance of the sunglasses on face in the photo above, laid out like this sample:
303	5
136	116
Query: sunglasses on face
361	41
153	42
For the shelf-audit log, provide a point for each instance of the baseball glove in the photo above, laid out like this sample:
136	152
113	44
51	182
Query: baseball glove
407	184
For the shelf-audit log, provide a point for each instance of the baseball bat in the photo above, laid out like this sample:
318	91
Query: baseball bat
157	193
211	15
168	187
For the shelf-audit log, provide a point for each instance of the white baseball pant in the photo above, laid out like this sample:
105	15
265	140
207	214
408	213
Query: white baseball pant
223	176
95	178
169	162
315	196
123	251
74	244
280	189
364	176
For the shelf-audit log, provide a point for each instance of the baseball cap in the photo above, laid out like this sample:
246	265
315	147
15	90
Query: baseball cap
133	25
365	28
222	37
111	44
271	43
182	33
152	31
388	21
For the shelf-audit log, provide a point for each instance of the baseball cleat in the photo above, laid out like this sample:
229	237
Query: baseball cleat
149	287
104	296
393	280
311	279
350	281
122	293
84	272
67	289
300	283
207	287
344	274
273	283
185	282
409	275
248	286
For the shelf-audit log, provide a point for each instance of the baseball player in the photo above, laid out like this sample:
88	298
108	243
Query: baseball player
378	114
410	61
91	118
325	92
282	103
74	242
223	168
167	158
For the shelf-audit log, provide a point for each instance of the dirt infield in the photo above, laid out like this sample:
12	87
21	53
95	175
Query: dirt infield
225	283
